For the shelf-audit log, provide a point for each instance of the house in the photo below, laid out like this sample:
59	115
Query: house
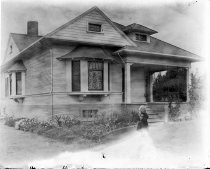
88	66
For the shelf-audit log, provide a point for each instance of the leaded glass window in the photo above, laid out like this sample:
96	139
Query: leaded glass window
95	75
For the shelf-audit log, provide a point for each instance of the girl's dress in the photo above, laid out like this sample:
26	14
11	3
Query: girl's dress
136	145
142	121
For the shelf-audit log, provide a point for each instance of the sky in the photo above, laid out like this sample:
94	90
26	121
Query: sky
182	23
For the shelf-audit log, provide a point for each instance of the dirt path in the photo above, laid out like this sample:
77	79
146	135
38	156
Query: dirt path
20	147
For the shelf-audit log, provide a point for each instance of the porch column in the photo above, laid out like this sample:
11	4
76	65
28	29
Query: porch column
188	83
127	82
151	81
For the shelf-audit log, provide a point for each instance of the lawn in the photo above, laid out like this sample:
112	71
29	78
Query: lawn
173	144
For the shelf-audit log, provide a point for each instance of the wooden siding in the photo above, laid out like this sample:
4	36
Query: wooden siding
38	74
2	85
60	69
77	31
61	99
9	55
137	84
115	74
43	112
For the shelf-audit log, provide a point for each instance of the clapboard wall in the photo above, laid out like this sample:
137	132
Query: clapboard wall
78	31
38	73
39	101
137	84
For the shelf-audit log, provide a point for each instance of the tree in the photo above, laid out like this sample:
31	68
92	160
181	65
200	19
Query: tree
196	93
170	86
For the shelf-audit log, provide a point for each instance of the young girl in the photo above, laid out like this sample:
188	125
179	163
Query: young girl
143	116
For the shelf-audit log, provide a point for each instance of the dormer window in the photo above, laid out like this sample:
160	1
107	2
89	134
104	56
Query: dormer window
141	37
94	27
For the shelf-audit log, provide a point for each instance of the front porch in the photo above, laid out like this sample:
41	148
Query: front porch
139	73
139	79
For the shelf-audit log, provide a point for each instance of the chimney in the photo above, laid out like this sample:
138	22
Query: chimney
32	28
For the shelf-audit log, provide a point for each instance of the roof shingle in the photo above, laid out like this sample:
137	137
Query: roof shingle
159	46
134	27
22	40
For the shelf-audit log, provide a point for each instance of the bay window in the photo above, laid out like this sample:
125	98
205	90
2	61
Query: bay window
89	76
15	84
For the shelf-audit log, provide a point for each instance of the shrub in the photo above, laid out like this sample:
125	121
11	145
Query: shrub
66	128
57	120
134	116
28	124
196	93
65	121
174	111
10	121
68	122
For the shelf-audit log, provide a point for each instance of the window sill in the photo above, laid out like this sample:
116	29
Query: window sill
95	32
141	41
18	98
90	93
94	93
83	95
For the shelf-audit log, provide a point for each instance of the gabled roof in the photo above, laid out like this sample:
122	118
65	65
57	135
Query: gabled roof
95	8
25	43
134	27
87	52
22	40
120	26
139	28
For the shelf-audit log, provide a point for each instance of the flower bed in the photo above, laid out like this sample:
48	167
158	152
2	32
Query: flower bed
69	129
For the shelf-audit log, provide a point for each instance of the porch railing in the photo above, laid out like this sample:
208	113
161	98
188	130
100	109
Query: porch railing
170	96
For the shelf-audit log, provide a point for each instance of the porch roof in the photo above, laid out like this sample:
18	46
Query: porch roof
87	52
160	50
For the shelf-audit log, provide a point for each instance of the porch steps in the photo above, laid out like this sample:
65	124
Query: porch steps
154	114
